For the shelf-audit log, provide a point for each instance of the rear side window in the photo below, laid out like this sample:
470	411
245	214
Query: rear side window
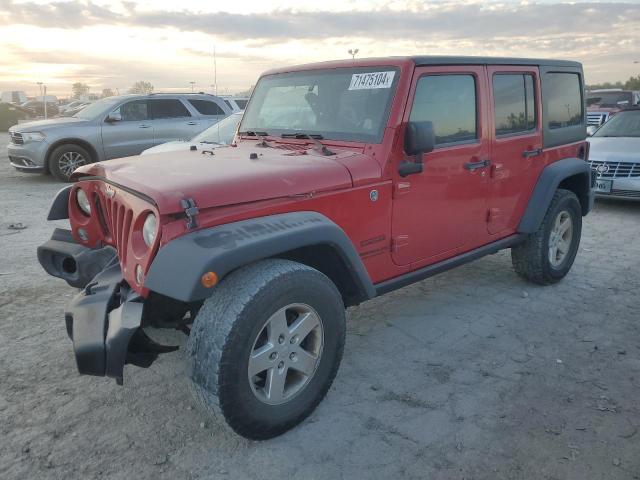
514	101
564	100
241	104
207	107
168	108
449	101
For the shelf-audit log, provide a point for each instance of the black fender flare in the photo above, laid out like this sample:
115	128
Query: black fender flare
549	181
60	206
178	267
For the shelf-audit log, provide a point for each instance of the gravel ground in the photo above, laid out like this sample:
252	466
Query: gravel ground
473	374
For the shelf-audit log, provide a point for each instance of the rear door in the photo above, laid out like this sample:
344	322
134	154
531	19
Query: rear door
516	150
442	211
172	120
132	134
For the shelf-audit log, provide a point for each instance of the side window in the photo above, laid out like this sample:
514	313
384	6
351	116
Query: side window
564	101
241	104
449	101
514	101
134	111
168	108
207	107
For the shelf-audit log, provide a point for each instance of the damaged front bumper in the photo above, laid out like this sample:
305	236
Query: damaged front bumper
104	320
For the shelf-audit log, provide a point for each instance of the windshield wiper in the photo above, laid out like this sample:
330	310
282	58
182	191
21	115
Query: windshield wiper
302	135
252	133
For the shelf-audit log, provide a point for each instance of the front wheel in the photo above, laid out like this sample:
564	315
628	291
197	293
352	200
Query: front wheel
548	254
65	159
266	346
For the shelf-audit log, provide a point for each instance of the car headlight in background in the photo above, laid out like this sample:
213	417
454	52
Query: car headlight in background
83	201
32	137
150	229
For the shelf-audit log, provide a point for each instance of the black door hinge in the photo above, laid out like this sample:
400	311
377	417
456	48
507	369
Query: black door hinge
191	211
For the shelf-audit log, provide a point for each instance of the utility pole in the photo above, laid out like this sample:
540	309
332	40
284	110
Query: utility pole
192	84
215	73
44	100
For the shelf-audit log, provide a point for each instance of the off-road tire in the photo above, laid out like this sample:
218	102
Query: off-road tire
56	158
531	258
222	338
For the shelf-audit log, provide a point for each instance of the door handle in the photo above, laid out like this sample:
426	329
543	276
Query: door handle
475	165
532	153
144	126
191	123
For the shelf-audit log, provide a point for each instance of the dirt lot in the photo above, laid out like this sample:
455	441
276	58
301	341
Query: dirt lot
473	374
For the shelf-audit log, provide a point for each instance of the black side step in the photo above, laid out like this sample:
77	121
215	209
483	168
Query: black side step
431	270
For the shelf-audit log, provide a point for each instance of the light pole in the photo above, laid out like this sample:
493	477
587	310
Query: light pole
353	52
192	84
40	88
44	88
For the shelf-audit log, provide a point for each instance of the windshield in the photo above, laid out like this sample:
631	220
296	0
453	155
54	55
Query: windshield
221	132
609	99
349	104
624	124
96	108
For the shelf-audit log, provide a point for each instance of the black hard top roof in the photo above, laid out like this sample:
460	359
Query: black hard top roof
424	60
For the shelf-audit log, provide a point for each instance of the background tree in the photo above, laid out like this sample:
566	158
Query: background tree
79	89
107	92
141	87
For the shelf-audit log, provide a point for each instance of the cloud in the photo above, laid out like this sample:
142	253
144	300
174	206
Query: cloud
448	20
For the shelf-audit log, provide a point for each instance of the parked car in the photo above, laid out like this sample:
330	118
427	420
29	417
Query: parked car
217	135
111	128
614	155
73	110
603	104
377	174
236	103
15	97
73	105
37	108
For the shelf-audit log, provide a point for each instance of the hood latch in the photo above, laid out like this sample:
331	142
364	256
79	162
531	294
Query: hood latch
191	211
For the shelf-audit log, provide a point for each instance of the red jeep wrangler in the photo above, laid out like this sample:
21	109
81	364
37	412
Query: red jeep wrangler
347	180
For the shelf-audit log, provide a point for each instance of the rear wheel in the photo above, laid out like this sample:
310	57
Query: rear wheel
548	254
65	159
266	346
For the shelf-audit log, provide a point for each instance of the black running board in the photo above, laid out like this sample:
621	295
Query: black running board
436	268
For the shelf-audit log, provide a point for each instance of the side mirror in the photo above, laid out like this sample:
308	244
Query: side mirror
113	117
419	138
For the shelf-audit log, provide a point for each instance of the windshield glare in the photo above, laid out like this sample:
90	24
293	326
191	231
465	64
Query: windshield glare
349	104
221	132
96	108
609	99
624	124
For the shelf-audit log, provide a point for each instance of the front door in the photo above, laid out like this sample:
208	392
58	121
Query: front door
516	152
129	135
442	211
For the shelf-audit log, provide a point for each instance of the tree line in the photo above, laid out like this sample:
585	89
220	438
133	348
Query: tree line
80	90
632	84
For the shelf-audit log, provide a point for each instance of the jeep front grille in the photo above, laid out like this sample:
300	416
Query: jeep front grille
16	138
621	193
117	219
615	169
597	118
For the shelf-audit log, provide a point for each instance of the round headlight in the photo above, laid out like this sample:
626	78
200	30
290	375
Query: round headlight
150	229
83	201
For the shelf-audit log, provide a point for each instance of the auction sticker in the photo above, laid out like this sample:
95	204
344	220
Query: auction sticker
367	81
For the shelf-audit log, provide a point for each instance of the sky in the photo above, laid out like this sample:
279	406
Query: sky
112	44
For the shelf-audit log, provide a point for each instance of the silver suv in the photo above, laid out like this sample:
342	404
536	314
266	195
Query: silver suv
111	128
